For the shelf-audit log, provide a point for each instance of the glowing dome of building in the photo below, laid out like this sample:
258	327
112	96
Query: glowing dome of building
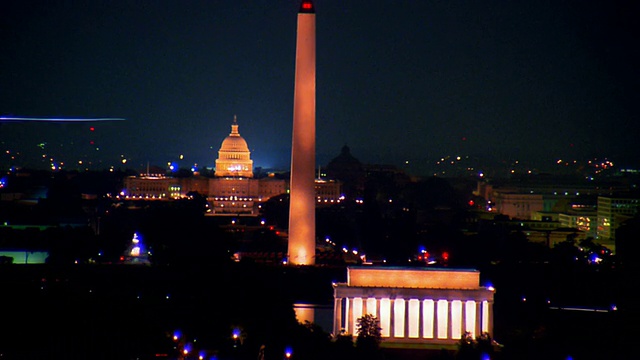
234	157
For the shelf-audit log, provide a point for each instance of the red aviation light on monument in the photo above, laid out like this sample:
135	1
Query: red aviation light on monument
307	7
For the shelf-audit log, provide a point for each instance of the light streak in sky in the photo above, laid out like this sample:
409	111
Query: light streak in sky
19	119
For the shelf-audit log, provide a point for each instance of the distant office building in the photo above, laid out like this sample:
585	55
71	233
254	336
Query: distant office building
550	235
518	205
148	186
612	211
582	218
328	192
415	306
522	198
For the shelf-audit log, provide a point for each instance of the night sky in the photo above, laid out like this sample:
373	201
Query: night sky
397	81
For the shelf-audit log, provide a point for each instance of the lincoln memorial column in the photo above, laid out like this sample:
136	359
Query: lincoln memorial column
435	320
463	316
449	320
478	325
337	316
392	317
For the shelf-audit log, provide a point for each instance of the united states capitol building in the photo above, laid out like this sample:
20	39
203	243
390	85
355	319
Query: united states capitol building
232	190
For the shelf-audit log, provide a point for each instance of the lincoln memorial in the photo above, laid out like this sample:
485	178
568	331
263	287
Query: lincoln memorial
430	306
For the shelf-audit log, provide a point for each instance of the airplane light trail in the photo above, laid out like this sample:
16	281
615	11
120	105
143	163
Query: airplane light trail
20	119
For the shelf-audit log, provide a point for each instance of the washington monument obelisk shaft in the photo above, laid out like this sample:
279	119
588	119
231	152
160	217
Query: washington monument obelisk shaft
302	215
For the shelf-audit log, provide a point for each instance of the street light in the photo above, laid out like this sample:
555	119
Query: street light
236	337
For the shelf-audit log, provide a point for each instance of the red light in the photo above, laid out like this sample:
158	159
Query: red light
307	5
121	258
92	129
471	202
445	256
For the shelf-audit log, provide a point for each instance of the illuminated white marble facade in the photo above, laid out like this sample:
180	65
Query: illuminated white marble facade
434	311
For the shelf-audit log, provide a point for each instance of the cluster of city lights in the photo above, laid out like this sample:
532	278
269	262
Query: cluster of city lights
187	347
122	195
337	201
598	166
233	198
54	163
449	161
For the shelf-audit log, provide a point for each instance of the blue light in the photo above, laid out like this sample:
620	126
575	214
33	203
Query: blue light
288	352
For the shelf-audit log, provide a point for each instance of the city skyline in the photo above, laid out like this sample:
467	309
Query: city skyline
410	82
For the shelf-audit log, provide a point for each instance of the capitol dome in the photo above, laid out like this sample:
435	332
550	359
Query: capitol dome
234	142
234	157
